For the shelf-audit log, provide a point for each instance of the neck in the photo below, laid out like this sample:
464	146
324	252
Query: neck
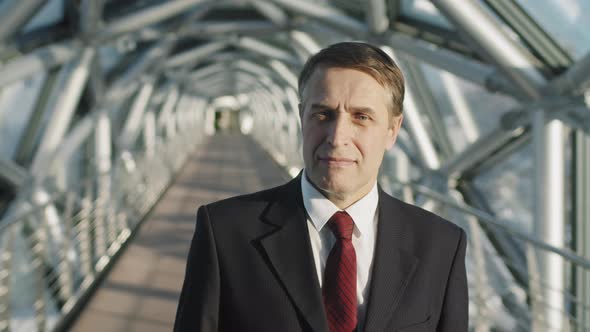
343	200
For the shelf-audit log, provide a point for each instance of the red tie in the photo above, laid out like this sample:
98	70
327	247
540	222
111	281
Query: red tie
339	287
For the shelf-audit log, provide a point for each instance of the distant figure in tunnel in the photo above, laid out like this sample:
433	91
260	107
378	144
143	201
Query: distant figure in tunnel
329	250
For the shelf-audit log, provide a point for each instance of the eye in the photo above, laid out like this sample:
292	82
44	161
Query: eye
362	117
320	115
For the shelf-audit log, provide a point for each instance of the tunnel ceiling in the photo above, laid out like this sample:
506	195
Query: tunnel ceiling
196	35
506	52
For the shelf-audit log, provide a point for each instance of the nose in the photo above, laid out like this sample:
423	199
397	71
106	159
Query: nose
340	130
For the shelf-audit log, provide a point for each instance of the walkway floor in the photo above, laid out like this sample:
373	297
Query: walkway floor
141	291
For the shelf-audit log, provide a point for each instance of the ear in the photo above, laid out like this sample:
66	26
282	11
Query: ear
393	131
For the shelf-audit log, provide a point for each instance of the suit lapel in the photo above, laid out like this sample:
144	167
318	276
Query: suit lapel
290	255
393	267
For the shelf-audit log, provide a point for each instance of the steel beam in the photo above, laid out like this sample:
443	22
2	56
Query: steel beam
192	56
67	98
424	100
376	16
231	56
214	83
286	74
72	142
576	78
252	67
197	74
260	47
460	106
419	133
90	17
271	11
209	29
415	126
531	32
102	150
483	31
470	70
45	58
14	14
249	79
102	222
149	16
479	151
96	82
27	143
12	173
134	121
327	14
124	86
149	133
581	184
305	42
168	107
549	180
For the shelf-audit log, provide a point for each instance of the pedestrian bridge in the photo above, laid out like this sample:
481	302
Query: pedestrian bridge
119	118
141	290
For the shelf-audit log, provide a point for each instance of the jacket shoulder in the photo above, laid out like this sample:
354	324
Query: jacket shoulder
245	205
423	220
263	195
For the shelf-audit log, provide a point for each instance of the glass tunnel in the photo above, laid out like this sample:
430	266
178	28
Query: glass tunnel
102	102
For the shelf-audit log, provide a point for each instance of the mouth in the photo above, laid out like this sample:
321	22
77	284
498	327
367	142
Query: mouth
336	162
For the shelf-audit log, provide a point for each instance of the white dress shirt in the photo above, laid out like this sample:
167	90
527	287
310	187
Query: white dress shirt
364	214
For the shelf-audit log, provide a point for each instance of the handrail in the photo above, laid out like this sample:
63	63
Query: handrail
36	208
487	218
106	222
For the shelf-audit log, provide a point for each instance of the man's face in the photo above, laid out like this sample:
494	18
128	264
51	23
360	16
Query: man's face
346	128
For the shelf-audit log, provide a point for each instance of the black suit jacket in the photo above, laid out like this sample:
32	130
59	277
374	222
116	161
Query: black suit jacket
250	268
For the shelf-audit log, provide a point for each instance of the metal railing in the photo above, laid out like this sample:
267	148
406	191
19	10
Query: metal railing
506	294
51	254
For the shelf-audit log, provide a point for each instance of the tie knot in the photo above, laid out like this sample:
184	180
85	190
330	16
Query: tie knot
341	225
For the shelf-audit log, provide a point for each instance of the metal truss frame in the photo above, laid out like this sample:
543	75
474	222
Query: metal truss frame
183	60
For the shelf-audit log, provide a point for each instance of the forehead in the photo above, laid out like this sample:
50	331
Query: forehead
343	85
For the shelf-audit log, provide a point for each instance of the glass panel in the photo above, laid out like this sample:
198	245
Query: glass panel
468	110
323	34
565	20
424	10
17	102
509	188
354	8
51	13
109	57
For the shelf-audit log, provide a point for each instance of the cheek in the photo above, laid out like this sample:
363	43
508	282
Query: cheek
310	141
312	135
373	147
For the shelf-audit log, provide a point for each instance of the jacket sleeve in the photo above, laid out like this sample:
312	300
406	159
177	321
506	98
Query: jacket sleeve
198	307
455	312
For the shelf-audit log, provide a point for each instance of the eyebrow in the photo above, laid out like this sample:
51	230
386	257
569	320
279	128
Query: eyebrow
364	109
316	105
357	109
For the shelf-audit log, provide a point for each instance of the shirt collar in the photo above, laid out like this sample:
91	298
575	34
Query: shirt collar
320	209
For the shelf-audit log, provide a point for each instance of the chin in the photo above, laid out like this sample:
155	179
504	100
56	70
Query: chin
333	187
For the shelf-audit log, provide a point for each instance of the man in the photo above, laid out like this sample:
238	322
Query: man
329	251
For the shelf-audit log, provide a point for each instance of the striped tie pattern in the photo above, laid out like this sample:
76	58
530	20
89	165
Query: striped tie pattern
339	286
